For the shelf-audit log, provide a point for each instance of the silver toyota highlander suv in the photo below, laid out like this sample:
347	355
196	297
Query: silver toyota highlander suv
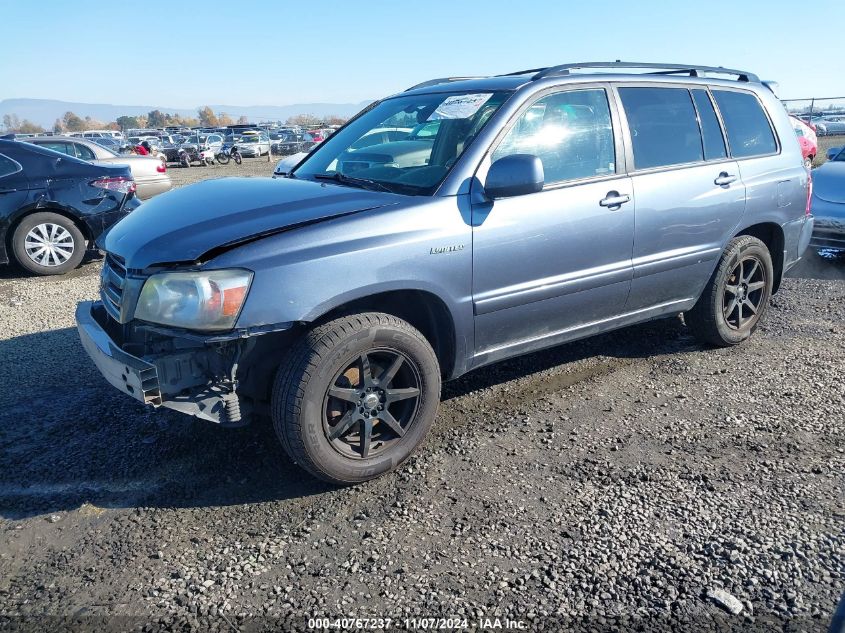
547	205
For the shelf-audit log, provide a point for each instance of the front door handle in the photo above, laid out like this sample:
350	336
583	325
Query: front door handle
725	179
614	199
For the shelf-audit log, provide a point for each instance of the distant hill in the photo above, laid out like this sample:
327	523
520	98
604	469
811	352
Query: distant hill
46	111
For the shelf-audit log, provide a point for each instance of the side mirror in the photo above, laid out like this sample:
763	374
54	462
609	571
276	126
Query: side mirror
514	175
833	151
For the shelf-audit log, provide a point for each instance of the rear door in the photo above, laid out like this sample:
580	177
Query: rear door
689	193
547	264
14	191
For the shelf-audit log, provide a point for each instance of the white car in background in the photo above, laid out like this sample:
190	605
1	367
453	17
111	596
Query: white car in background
253	144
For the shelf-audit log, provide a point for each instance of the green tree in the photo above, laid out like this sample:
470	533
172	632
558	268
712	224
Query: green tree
72	122
207	117
127	122
157	118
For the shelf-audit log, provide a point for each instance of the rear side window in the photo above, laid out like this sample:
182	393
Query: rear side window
664	126
8	166
711	131
748	129
571	132
83	152
58	146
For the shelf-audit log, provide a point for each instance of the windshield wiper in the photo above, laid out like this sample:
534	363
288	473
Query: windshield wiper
363	183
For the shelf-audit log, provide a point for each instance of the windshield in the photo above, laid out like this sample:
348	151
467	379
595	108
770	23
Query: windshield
840	157
443	126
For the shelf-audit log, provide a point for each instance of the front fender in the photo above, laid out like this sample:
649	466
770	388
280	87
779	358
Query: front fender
305	273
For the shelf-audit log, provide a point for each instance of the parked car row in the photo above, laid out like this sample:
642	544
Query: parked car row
829	125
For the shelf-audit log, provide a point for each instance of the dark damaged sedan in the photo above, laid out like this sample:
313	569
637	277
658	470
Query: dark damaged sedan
54	206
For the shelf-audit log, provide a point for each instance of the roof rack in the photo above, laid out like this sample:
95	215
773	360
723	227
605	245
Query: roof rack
441	80
655	69
651	68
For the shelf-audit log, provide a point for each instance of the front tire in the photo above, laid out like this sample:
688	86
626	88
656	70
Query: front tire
223	158
48	244
355	397
736	297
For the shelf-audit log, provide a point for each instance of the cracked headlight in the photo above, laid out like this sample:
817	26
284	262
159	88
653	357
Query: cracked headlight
202	300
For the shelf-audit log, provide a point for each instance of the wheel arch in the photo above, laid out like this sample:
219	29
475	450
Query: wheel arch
13	225
82	226
424	310
771	234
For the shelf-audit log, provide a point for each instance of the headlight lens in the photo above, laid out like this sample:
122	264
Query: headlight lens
207	300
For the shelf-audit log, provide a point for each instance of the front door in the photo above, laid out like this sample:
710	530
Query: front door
553	263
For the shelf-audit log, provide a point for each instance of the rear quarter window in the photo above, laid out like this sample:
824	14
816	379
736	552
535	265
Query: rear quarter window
8	166
746	124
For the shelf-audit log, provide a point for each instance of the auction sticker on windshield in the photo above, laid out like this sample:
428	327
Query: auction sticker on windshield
460	106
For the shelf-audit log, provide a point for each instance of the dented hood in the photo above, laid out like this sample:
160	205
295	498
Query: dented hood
187	223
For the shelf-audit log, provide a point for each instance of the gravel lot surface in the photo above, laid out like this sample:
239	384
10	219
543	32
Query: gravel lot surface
250	167
633	481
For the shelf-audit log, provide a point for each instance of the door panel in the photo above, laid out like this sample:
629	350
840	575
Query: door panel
550	261
683	219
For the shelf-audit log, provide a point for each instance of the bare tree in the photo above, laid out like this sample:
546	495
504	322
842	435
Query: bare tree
303	119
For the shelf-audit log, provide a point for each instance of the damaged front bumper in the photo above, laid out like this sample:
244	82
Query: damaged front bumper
829	230
194	375
829	233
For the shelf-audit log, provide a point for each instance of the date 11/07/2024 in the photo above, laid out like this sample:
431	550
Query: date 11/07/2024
415	624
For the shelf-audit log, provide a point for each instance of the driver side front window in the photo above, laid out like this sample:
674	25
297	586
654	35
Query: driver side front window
570	132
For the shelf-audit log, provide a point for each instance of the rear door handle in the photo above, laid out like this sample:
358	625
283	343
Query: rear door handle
725	179
614	199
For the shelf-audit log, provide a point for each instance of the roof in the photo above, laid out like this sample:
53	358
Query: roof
596	71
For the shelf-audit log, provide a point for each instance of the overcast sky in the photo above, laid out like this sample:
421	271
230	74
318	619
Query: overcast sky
183	54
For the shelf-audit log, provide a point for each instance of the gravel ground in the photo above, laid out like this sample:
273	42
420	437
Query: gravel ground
250	167
633	481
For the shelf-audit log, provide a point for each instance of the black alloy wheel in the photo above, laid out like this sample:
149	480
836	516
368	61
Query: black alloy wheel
371	403
744	292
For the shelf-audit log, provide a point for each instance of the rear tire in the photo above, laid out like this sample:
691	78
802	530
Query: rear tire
808	162
48	244
223	158
737	296
382	407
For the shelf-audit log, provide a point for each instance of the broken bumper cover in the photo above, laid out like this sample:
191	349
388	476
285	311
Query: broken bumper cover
130	374
140	378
